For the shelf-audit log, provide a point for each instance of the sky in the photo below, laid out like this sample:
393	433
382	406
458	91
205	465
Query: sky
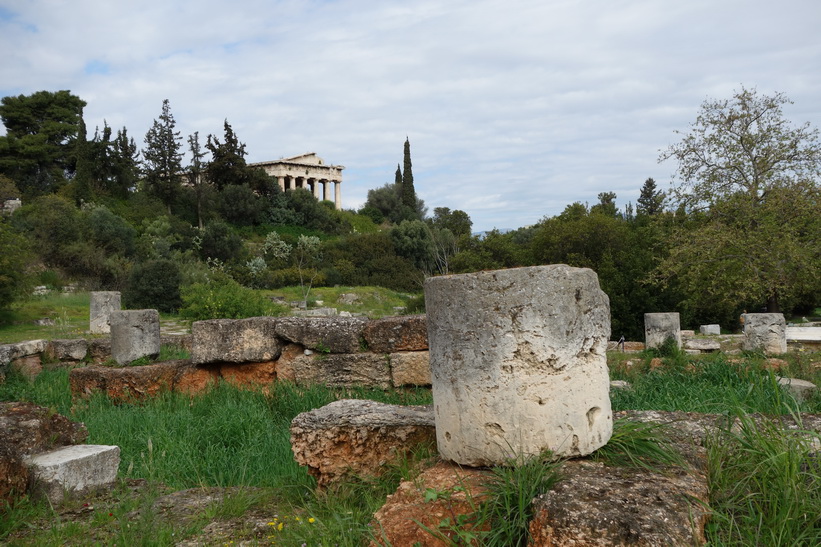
514	109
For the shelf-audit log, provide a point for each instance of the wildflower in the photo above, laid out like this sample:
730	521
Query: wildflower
312	520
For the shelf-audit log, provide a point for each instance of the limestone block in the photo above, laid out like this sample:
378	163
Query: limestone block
410	368
518	363
342	370
801	390
765	332
641	507
67	350
408	511
658	327
14	475
250	340
710	329
99	349
357	437
401	333
100	308
334	335
702	345
249	375
128	383
73	469
30	366
134	334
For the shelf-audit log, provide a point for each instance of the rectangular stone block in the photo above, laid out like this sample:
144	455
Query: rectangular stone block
342	370
73	469
410	368
659	327
401	333
710	329
100	308
250	340
766	332
134	334
326	334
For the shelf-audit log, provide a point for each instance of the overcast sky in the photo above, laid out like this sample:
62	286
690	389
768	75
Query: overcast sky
514	109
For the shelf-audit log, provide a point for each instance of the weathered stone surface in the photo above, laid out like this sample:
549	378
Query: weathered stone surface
801	390
357	437
251	340
765	332
27	429
73	469
329	335
410	368
67	350
100	308
291	353
134	334
620	384
195	380
710	329
342	370
702	345
398	521
250	375
518	363
595	504
128	383
30	366
658	327
394	334
99	350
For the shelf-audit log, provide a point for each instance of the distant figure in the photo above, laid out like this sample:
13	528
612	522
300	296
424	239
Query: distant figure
741	320
621	343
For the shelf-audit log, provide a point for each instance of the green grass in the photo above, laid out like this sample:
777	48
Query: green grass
69	311
374	302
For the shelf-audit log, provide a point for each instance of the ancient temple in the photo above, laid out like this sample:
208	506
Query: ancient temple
307	171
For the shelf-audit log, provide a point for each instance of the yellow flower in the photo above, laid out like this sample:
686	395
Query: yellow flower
280	526
312	520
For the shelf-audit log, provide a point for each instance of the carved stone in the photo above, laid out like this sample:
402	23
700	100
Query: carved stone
518	363
765	332
659	327
251	340
100	308
134	334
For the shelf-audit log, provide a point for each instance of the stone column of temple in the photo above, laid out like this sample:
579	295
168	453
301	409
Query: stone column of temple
299	182
337	195
315	187
281	182
326	189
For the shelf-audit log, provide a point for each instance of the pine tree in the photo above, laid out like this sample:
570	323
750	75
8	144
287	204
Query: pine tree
398	178
82	175
651	201
408	193
163	160
227	166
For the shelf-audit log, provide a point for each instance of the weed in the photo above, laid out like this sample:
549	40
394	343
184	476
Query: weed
637	444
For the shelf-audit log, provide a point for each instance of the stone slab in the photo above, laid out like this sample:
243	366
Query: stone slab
250	340
73	469
410	368
329	335
395	334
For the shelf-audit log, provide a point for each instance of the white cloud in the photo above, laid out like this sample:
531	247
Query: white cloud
514	109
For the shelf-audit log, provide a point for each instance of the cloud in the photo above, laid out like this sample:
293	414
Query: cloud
513	109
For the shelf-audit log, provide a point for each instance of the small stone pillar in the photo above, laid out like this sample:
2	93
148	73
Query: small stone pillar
710	330
100	308
766	332
658	327
134	334
518	363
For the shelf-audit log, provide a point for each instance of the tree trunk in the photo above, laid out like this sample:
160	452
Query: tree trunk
772	303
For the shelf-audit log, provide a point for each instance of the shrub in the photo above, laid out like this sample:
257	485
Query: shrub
154	284
223	297
218	241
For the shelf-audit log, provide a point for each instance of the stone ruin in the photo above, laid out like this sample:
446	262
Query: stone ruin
102	304
518	363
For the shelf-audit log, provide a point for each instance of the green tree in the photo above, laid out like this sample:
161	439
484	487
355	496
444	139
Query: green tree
606	205
126	169
227	166
197	171
752	177
162	166
408	191
84	165
37	152
651	200
457	221
14	258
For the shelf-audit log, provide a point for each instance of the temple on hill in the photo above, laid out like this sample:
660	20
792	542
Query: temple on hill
307	171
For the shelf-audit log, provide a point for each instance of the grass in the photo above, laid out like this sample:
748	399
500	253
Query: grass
765	484
375	302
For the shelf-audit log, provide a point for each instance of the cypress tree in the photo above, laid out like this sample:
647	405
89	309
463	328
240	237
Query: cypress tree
408	193
398	178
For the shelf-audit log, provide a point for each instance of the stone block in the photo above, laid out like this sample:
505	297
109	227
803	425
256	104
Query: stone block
801	390
324	334
702	345
342	370
358	437
518	363
251	340
29	367
710	330
73	469
765	332
100	308
134	334
410	368
408	511
129	383
658	327
67	350
394	334
640	507
99	350
249	375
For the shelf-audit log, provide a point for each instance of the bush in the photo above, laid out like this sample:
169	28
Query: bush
220	242
223	297
154	284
